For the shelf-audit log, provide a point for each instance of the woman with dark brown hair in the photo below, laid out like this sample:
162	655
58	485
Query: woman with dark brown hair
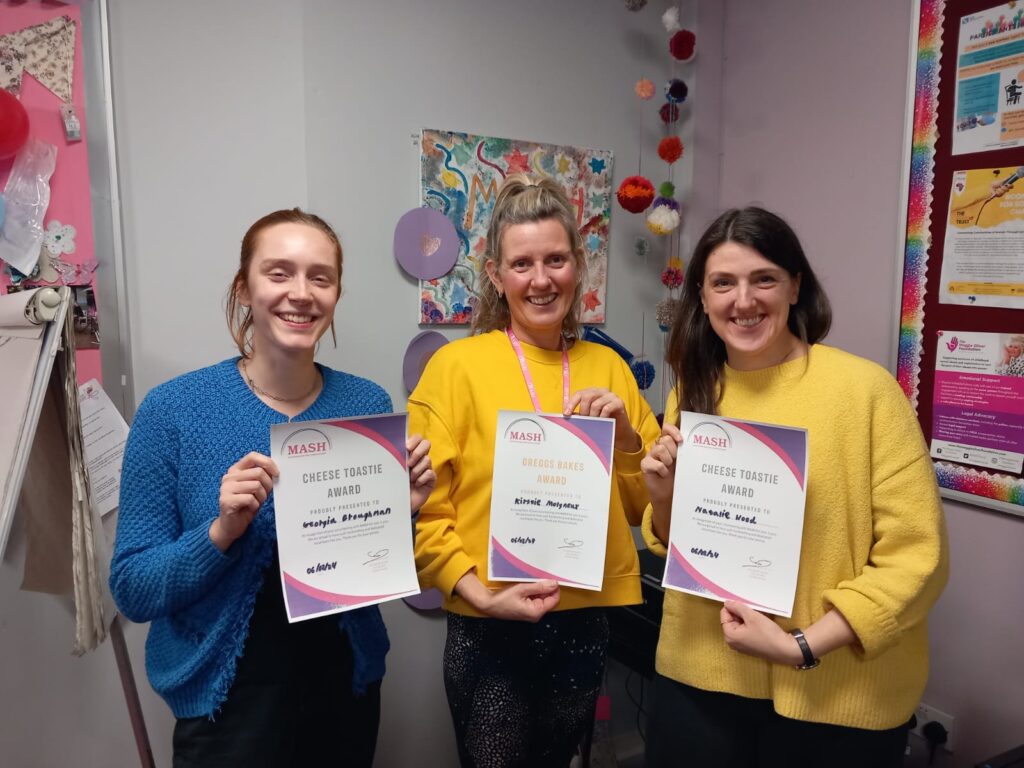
196	551
736	688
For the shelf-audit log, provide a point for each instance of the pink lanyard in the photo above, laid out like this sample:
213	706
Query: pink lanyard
529	379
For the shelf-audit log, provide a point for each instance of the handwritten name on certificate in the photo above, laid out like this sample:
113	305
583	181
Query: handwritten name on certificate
342	513
738	512
549	498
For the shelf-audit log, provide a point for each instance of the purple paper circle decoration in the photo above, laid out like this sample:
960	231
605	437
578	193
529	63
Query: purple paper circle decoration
427	600
420	350
426	244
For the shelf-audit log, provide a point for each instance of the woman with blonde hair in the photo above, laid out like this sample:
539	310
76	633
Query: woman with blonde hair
196	550
523	662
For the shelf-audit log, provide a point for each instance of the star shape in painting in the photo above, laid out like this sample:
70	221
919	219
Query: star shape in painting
597	200
590	300
517	162
563	164
593	242
597	164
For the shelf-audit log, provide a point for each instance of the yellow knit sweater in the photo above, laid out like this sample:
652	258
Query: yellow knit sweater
456	404
874	548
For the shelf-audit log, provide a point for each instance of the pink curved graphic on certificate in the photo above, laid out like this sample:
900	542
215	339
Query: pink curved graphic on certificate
694	579
781	452
585	438
333	598
507	565
361	429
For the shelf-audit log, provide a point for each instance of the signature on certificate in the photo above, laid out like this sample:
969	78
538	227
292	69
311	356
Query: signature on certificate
571	544
758	563
378	556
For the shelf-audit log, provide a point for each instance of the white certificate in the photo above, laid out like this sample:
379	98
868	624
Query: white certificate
738	512
549	498
342	511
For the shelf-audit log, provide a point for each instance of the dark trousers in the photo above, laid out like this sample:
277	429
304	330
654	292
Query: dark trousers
522	695
291	702
692	728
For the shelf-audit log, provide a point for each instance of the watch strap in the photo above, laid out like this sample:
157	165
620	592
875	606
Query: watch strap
809	661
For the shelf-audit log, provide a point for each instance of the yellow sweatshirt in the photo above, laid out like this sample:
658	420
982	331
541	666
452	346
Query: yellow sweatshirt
874	547
456	404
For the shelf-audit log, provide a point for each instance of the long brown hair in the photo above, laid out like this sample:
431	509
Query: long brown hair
240	317
695	352
523	199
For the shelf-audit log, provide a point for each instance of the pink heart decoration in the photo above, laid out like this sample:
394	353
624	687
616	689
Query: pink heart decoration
429	245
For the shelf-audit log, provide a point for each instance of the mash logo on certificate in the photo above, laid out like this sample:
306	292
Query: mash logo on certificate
738	512
342	512
549	498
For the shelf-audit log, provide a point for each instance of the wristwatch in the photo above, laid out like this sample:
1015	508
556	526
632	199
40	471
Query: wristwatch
809	661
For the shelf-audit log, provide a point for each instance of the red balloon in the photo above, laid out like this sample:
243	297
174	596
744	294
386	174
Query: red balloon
13	124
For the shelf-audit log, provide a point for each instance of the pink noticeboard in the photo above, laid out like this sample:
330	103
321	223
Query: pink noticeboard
69	186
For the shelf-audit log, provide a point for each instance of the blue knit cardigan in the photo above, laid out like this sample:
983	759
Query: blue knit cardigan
165	569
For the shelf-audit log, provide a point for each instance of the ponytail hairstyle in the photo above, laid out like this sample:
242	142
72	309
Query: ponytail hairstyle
524	199
239	317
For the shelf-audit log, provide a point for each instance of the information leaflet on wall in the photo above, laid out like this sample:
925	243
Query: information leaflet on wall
978	406
341	507
988	106
549	498
738	512
104	434
982	263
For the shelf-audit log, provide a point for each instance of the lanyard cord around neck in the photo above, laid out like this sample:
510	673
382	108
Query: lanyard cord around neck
529	379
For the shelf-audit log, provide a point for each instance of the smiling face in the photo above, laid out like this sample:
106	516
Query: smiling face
292	287
747	299
537	275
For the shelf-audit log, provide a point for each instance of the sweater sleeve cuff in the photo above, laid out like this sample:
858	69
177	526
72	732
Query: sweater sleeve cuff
457	566
876	629
209	561
628	463
647	529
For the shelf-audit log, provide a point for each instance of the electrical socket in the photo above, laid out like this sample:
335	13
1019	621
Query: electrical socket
926	713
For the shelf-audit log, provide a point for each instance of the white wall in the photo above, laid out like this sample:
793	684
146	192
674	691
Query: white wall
812	127
225	111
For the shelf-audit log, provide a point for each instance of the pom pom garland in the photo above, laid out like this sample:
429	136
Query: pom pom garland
683	45
643	372
676	91
644	89
635	193
670	149
663	217
669	113
670	19
665	311
671	278
666	189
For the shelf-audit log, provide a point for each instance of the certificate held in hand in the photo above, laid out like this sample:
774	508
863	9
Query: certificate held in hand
342	513
738	511
549	498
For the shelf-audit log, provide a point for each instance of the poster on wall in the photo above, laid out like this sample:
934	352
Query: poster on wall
960	343
982	262
978	406
460	175
989	112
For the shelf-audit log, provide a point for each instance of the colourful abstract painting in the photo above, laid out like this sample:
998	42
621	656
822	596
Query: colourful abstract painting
460	175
